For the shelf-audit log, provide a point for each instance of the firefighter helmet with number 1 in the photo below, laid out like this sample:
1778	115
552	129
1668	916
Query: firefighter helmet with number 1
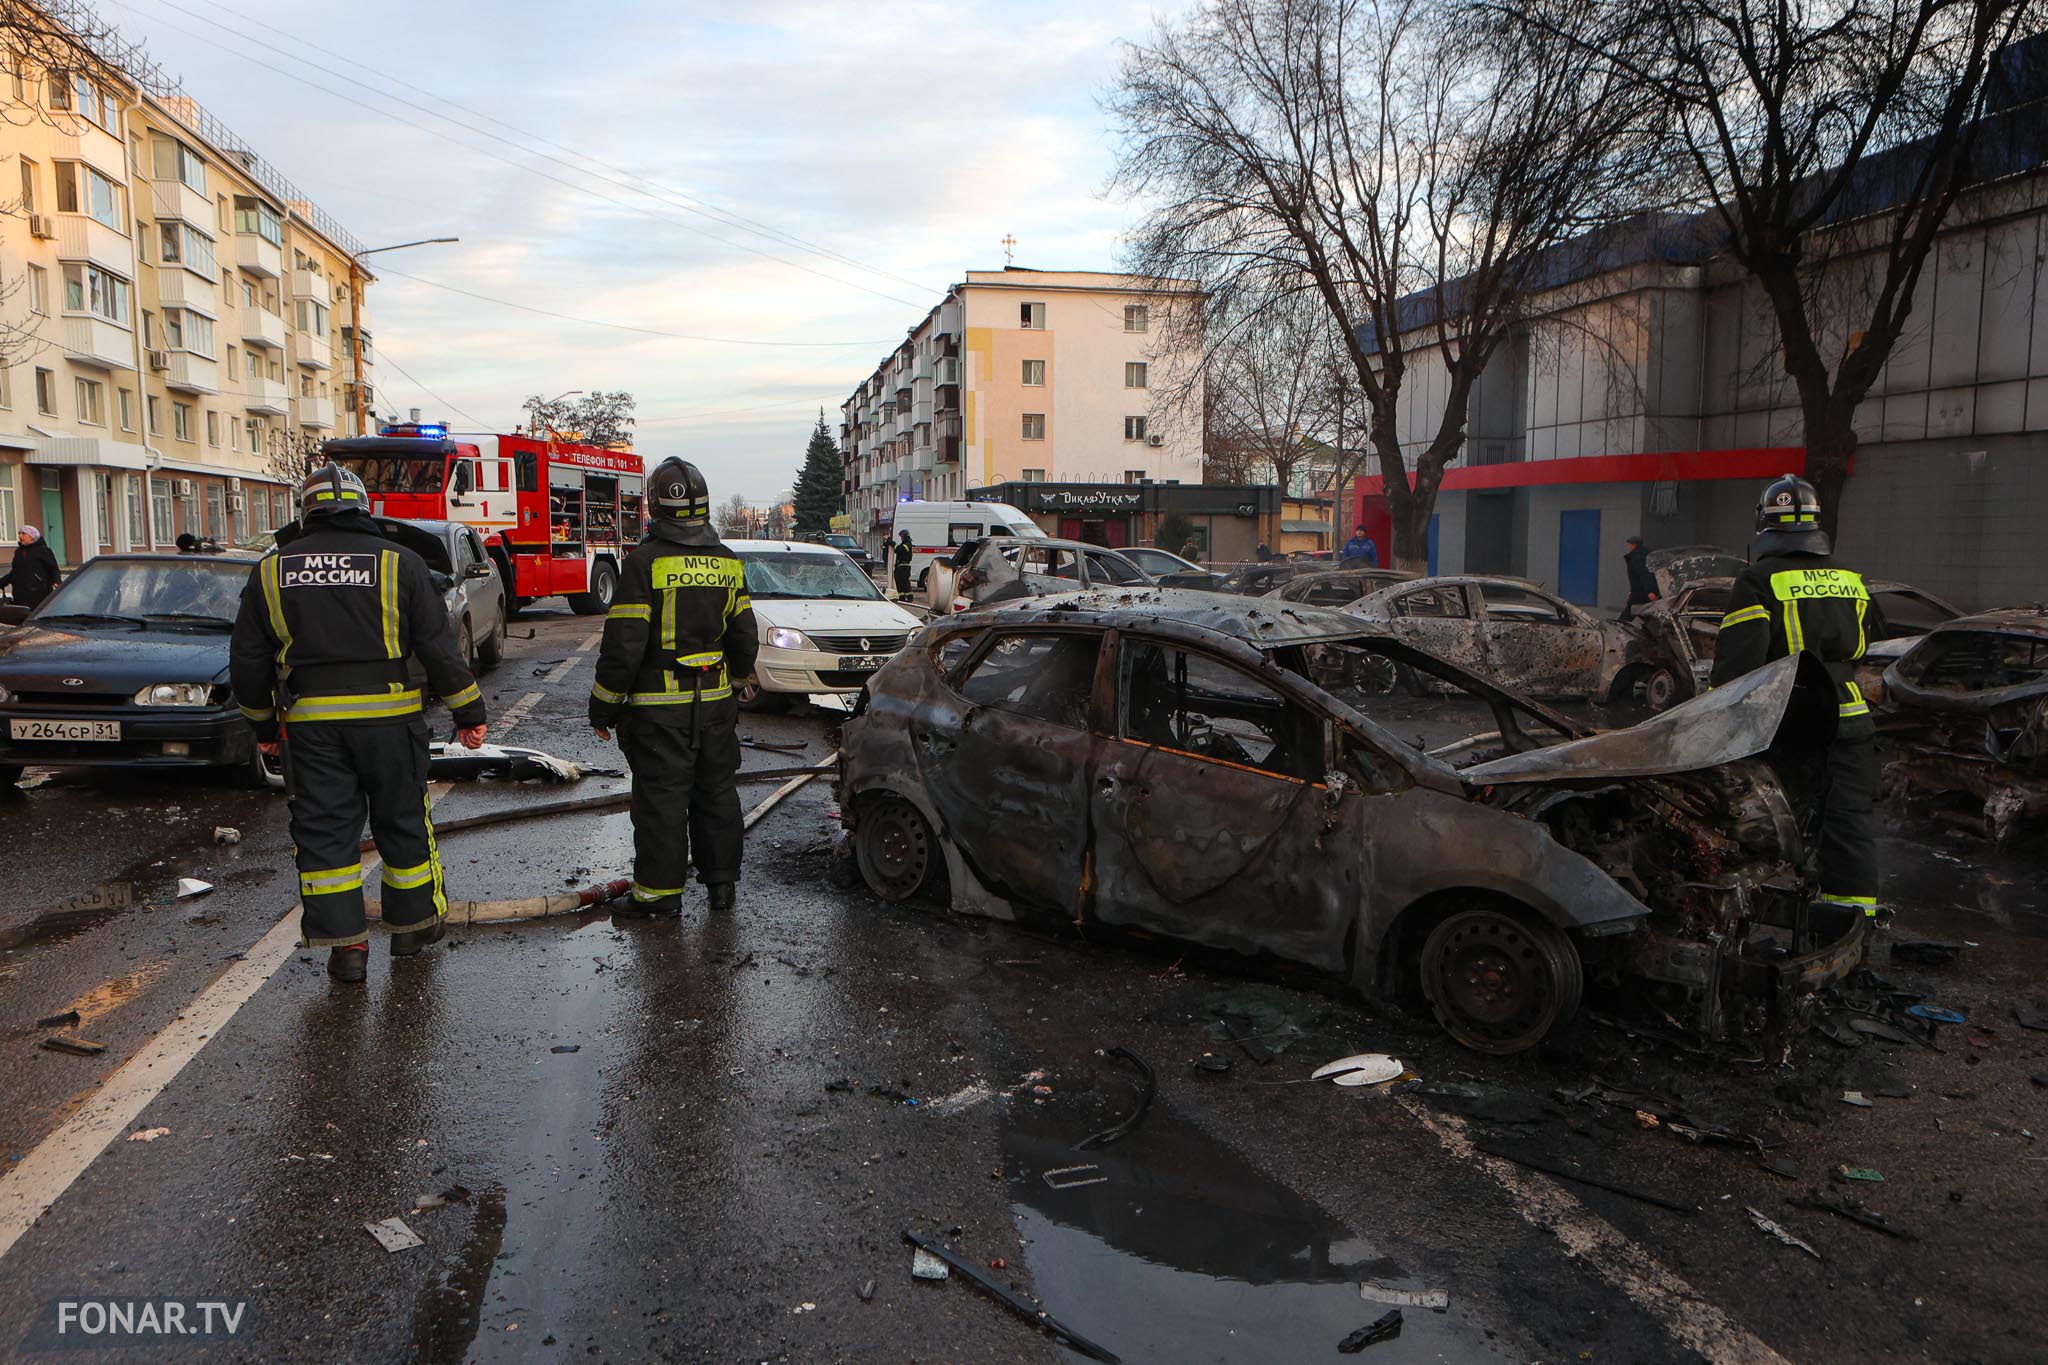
679	493
1788	519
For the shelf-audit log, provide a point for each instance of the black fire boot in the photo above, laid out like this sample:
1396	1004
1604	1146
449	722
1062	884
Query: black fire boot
721	895
349	964
410	942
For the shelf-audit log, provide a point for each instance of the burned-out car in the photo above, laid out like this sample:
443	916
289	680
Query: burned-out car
1512	631
1005	568
1682	627
1165	764
1971	708
1336	587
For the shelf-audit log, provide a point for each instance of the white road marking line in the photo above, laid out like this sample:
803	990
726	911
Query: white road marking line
45	1173
591	643
516	712
561	669
1684	1312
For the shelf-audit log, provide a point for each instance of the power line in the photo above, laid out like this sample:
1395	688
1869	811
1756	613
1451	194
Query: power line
384	357
485	151
724	412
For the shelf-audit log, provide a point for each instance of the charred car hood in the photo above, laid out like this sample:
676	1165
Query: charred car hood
1736	720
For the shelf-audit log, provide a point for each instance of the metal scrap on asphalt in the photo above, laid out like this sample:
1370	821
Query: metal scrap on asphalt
393	1235
1766	1225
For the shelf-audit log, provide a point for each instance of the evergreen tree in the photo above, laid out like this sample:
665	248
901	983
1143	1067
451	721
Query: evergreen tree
818	494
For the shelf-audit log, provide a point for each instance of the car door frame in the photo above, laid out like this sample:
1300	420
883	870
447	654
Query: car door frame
1560	674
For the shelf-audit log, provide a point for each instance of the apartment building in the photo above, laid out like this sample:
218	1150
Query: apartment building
180	323
1024	376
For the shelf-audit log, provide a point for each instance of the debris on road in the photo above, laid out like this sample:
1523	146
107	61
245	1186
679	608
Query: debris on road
1856	1098
393	1235
1854	1212
1148	1086
1022	1307
566	1047
1563	1172
1935	1014
1385	1327
226	835
2031	1016
77	1047
767	746
1436	1300
867	1292
1780	1165
1766	1225
148	1134
1843	1174
1878	1028
925	1266
189	887
1073	1177
58	1020
1366	1068
1925	952
542	666
504	762
1213	1064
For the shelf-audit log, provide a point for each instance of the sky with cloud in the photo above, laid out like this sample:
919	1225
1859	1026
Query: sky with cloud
795	182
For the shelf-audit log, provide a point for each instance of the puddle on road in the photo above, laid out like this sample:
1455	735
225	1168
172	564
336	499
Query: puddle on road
1184	1251
1929	879
446	1322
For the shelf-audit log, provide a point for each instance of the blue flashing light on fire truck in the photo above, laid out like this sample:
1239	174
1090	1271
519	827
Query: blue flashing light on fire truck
557	516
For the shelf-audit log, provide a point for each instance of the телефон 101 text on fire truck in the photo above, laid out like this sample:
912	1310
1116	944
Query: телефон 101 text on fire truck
558	516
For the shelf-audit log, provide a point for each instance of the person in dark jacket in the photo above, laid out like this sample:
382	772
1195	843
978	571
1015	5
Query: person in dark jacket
1794	599
1642	584
1359	551
680	631
319	665
903	551
33	574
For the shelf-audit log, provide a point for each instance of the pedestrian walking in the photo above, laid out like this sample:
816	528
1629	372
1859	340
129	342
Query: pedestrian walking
1359	551
1264	553
33	574
679	632
902	551
1642	584
1794	599
319	664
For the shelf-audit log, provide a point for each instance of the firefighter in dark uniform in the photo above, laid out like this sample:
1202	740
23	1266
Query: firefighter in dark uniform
903	551
328	621
1795	599
678	635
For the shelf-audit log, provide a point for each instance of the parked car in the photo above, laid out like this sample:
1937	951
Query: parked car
1337	588
126	665
1258	579
1165	763
470	587
1681	629
1971	709
938	529
1005	568
1169	570
849	547
1511	631
824	625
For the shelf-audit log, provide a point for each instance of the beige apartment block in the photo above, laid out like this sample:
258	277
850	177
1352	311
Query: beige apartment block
178	323
1026	375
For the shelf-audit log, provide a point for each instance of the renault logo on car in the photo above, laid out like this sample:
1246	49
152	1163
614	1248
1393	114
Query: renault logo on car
864	645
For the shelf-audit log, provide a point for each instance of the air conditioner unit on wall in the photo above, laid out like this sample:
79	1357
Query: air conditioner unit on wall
159	360
234	485
39	225
235	501
1155	440
183	488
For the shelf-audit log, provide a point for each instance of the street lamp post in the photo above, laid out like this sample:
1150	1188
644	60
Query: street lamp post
359	407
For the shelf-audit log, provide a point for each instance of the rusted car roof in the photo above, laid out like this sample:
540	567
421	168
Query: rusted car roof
1260	622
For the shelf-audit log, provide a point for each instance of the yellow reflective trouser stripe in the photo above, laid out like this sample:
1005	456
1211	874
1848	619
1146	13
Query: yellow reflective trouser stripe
606	695
433	853
368	706
654	893
334	879
724	689
406	878
628	611
1736	618
1867	904
388	601
463	698
1856	705
259	712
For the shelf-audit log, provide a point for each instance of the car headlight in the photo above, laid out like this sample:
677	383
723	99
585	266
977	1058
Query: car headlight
781	637
174	694
5	695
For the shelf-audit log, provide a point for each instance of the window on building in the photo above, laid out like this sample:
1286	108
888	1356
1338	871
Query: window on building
92	402
248	293
1135	372
103	506
1136	317
6	387
60	90
82	189
1034	373
234	435
1031	316
1034	426
1134	428
183	244
96	104
138	530
28	185
10	508
264	509
38	290
238	508
87	288
175	161
181	421
153	407
254	429
1135	476
161	513
312	318
253	215
212	427
188	331
46	392
1034	476
216	511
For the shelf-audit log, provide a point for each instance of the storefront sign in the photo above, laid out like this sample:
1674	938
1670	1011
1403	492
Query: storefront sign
1085	500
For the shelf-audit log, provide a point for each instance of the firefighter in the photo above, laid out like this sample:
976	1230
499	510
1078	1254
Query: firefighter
679	632
1795	599
319	665
903	551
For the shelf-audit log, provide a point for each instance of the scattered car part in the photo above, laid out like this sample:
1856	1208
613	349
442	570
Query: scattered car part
1564	1172
1385	1327
58	1020
1843	1174
925	1266
1856	1098
1366	1068
189	887
393	1235
1436	1300
77	1047
1935	1014
507	762
1766	1225
226	835
1073	1177
1854	1212
1148	1086
1015	1303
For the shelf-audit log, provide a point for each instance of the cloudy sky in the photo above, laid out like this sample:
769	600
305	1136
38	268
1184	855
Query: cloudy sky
795	180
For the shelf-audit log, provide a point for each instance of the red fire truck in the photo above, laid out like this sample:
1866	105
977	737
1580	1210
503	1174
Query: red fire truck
557	516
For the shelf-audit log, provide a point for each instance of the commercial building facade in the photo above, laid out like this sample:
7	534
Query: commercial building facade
1025	376
186	324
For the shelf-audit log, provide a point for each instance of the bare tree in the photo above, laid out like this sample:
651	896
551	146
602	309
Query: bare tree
1271	389
1829	139
735	518
1407	165
598	418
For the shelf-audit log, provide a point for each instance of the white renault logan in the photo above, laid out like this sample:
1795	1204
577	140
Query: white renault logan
824	625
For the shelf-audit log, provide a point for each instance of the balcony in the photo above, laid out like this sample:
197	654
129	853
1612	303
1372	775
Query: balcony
317	413
918	461
189	373
312	352
265	396
260	328
885	471
83	140
946	400
176	199
947	450
947	371
80	238
254	256
93	340
177	287
308	284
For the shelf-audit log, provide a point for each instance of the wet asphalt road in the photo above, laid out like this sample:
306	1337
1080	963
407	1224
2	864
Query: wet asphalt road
728	1156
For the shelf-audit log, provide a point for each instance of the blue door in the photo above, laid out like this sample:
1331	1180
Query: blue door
1578	556
1433	520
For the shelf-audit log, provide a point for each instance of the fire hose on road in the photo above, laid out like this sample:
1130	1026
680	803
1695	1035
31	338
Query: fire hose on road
589	897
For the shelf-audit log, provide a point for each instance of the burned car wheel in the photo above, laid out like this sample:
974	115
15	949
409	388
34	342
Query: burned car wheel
1498	984
893	847
1660	689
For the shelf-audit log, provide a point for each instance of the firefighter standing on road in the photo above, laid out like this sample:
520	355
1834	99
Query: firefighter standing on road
903	551
328	621
679	632
1794	599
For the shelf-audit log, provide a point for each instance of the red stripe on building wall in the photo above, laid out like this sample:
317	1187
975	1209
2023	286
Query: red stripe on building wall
1760	462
